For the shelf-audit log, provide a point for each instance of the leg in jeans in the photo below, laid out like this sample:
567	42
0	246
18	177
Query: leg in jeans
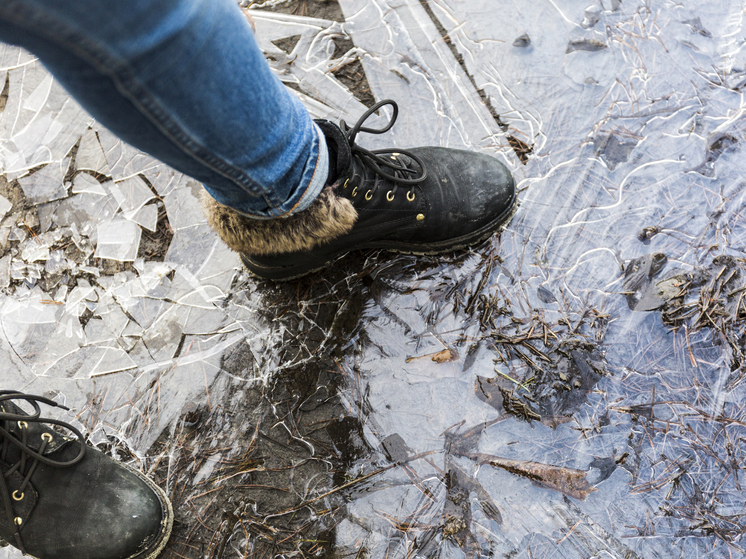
185	81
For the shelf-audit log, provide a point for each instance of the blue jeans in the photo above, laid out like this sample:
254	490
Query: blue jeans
184	81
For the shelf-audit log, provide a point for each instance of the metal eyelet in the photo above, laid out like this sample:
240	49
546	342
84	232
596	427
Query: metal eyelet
22	425
390	196
18	520
354	192
420	217
369	195
46	437
17	497
345	184
410	196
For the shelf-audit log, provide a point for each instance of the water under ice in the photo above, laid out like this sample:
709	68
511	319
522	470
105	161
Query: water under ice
601	332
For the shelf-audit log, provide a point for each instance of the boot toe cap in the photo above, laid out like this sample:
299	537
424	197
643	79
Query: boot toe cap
100	509
466	191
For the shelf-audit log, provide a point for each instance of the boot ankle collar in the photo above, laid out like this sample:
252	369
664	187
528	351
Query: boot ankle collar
343	137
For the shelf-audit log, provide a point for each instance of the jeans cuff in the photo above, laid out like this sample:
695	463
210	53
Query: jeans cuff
315	176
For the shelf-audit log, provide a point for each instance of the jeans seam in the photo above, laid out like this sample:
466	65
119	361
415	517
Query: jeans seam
180	137
120	73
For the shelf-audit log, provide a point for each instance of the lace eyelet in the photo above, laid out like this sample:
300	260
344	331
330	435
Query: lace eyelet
18	520
410	196
420	217
345	184
369	195
17	497
390	196
46	437
22	425
354	192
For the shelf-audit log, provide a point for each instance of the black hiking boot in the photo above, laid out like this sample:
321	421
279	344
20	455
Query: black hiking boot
425	200
62	499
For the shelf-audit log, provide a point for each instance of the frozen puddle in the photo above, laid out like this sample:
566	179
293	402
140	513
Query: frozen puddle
571	388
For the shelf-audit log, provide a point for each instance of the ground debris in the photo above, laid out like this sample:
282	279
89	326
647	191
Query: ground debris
444	356
710	298
544	371
701	466
521	148
522	41
591	45
642	294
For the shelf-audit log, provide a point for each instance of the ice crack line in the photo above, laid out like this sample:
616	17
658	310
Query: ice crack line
521	149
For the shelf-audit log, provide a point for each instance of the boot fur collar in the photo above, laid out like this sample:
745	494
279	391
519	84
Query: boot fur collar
328	217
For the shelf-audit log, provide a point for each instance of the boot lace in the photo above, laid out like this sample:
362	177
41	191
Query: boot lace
396	169
30	458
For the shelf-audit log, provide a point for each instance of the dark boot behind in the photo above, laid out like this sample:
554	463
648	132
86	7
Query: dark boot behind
62	499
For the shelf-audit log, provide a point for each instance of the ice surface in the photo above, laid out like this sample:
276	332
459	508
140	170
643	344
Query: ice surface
118	239
90	155
623	124
131	194
46	184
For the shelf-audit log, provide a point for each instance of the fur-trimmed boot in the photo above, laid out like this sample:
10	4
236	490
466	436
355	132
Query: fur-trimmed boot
62	499
425	200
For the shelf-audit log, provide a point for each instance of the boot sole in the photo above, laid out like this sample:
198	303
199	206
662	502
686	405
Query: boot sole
286	273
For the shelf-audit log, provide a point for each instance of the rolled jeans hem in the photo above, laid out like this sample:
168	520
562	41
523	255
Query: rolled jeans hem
314	176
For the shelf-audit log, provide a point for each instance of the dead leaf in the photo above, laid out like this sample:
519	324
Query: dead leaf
591	45
445	356
565	480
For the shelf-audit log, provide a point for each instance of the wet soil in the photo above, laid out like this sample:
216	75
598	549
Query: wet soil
281	445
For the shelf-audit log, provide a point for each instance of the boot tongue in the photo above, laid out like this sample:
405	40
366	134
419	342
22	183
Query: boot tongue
340	155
